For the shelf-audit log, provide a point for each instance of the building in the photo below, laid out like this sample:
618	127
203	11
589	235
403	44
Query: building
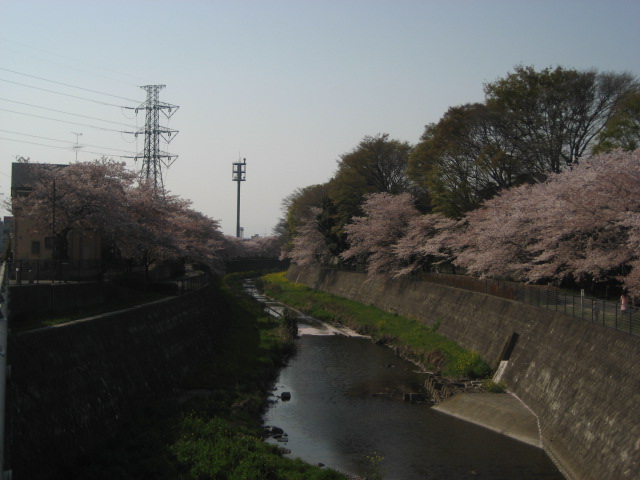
30	246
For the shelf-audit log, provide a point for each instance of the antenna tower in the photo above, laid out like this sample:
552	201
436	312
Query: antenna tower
153	159
77	147
239	175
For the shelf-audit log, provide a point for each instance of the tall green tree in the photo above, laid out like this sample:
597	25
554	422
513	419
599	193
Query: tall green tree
553	116
377	165
623	128
464	159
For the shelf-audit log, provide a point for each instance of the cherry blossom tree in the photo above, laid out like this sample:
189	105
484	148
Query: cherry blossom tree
135	219
81	196
309	244
579	225
255	247
428	240
371	238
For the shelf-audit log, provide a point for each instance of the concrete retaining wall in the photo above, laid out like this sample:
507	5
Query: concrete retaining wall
71	385
581	380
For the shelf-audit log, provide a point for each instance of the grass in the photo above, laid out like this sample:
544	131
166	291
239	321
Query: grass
410	337
217	434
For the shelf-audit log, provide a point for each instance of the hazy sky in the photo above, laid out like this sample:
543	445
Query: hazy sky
288	85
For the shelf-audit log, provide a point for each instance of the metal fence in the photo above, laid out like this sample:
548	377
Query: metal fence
36	271
190	283
23	272
625	318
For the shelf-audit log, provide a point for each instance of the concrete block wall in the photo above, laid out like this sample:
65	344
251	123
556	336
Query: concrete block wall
28	300
72	385
581	380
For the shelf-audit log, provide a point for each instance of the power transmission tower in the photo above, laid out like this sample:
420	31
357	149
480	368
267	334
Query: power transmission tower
153	159
77	147
239	175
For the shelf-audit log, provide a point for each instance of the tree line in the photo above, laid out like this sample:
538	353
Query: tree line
532	184
138	222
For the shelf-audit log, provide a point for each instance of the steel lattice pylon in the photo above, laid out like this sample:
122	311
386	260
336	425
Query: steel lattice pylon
153	159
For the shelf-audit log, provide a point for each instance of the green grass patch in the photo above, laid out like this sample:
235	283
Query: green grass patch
216	434
412	338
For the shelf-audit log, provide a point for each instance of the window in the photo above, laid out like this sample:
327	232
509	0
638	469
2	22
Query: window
48	243
35	247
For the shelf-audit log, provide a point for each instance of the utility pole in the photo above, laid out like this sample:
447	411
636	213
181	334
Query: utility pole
153	159
239	175
76	147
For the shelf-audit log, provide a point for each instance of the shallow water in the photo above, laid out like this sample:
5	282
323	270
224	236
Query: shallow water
346	404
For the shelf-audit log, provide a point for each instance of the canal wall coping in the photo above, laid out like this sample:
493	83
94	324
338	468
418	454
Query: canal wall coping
581	380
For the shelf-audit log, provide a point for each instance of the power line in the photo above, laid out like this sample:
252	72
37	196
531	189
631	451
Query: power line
67	58
53	146
67	85
66	113
67	66
65	141
66	121
61	93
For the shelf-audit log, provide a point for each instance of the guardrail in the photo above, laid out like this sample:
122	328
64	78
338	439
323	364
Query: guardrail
622	317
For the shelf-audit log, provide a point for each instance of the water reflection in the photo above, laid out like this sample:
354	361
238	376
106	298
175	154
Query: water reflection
346	404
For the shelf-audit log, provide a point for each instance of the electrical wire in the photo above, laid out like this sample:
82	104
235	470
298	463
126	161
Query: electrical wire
68	67
67	121
66	141
67	58
55	146
61	93
68	85
66	113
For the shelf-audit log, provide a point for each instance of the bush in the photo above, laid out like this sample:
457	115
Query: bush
494	387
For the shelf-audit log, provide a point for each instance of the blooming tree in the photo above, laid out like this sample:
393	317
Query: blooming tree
309	245
429	240
134	218
372	237
581	224
78	197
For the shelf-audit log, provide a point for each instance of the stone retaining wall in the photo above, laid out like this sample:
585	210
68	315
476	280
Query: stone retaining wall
582	380
72	385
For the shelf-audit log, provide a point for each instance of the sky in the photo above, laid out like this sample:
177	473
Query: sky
289	85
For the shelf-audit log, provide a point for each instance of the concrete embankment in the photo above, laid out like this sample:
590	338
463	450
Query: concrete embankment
500	412
72	385
581	380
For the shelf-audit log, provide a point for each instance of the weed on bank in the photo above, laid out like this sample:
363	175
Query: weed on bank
410	337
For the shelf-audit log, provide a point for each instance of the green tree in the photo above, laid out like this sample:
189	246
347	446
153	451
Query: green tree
623	128
464	159
552	116
378	164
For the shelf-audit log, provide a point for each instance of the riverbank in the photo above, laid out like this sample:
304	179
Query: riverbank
212	426
501	412
412	340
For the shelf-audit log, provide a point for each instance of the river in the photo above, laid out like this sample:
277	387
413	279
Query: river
346	406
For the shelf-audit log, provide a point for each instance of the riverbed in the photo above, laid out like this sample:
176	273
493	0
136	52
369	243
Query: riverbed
347	412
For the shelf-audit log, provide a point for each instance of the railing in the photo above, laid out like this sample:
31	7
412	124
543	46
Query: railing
622	317
36	271
190	283
23	272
